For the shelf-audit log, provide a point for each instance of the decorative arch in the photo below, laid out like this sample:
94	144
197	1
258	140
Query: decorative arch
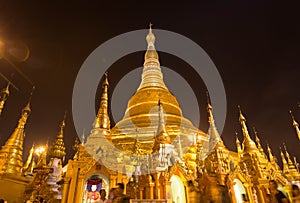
239	191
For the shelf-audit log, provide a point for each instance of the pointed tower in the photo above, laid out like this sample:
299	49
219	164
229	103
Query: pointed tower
238	144
292	168
262	155
218	154
285	166
249	145
3	97
12	162
271	157
296	125
30	163
102	120
214	136
101	126
58	149
162	137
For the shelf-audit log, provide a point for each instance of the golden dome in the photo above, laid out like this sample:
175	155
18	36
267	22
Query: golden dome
141	116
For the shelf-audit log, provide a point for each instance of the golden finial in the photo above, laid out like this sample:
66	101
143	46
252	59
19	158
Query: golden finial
4	96
150	38
256	137
296	125
102	119
209	109
152	75
242	118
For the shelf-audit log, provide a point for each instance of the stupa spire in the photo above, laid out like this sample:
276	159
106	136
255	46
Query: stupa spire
3	97
58	149
248	144
238	143
30	163
214	136
12	162
162	136
152	75
271	157
284	163
295	124
29	158
260	148
289	161
102	119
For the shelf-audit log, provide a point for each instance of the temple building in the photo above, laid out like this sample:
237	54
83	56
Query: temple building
157	153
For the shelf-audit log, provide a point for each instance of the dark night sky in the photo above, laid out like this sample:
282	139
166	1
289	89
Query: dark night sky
254	44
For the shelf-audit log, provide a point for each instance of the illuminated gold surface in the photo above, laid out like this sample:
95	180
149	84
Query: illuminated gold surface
248	144
102	119
11	160
58	150
142	109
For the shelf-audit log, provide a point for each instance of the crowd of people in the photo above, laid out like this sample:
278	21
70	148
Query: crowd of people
116	195
277	196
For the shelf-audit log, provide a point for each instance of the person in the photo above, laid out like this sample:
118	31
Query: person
276	195
295	194
120	197
111	195
103	196
1	200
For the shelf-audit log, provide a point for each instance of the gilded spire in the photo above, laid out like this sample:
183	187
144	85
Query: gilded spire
248	144
102	119
12	162
3	97
162	137
214	136
295	124
152	75
30	163
284	163
58	149
261	150
29	158
289	161
271	157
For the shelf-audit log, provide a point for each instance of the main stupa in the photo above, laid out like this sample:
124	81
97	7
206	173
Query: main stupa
141	118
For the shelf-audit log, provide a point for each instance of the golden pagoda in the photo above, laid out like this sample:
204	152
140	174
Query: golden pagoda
141	112
11	161
157	153
12	181
149	158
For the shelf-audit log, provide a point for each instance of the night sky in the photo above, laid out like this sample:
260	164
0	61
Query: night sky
254	44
